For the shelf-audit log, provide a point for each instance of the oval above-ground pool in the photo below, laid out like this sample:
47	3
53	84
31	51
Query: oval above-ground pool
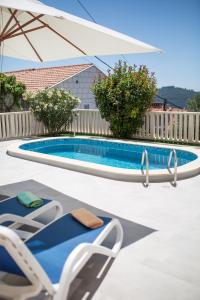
110	158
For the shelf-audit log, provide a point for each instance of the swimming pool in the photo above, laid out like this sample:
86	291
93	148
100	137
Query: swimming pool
114	154
100	156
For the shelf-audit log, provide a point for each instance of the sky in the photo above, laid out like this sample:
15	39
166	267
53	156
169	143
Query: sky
172	25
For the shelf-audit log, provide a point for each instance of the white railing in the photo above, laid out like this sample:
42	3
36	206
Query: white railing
171	126
173	153
159	126
89	121
19	124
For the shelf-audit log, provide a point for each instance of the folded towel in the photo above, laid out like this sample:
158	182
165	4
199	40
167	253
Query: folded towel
30	200
87	218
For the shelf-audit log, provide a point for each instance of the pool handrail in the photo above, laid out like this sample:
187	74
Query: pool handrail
173	152
145	156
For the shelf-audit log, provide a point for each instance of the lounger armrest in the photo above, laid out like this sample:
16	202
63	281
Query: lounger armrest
114	224
53	204
20	220
75	263
81	254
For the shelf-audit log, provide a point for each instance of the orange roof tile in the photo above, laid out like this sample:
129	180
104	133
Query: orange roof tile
39	79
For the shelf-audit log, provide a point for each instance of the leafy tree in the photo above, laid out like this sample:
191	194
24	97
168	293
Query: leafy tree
124	96
11	93
194	103
54	108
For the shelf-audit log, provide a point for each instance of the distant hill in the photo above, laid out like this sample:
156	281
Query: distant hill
176	95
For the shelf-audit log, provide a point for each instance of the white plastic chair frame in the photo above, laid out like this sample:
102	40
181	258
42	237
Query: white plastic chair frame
18	221
38	278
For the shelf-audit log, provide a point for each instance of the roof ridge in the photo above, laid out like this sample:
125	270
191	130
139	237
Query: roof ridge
45	68
41	78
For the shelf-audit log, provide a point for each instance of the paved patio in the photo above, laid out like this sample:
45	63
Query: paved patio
165	265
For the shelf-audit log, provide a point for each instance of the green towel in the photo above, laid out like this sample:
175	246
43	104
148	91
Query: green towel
30	200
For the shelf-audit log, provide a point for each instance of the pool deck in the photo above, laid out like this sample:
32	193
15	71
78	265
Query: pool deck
164	265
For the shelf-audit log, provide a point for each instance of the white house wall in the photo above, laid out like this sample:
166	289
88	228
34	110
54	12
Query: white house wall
80	85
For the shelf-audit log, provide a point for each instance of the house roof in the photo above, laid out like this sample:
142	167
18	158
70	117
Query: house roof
39	79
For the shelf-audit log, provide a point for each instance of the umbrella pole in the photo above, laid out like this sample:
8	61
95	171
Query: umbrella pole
1	44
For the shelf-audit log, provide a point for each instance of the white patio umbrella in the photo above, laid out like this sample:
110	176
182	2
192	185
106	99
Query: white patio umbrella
34	31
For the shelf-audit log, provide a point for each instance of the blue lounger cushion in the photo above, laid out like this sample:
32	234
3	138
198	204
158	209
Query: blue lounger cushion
53	244
12	206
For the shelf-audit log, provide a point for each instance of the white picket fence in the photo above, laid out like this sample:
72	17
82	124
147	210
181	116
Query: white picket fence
171	126
160	126
19	124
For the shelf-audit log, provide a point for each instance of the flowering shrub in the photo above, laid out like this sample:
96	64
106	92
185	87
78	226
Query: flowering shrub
54	108
124	96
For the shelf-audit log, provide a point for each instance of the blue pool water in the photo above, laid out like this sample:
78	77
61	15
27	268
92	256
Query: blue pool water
120	155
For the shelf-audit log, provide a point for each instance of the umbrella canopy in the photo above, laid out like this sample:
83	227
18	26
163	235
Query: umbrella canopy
34	31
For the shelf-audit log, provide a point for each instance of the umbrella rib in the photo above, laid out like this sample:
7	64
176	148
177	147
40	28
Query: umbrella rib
10	29
26	31
9	21
28	40
35	18
60	35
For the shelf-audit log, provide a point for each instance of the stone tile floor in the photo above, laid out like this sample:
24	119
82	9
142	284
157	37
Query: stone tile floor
164	265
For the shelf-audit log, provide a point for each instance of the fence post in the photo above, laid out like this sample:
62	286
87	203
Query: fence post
191	128
12	125
152	126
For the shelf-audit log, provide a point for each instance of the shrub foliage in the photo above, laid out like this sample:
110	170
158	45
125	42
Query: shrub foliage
194	103
124	96
11	93
54	108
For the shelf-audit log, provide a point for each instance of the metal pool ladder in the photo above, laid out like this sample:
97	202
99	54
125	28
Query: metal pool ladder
173	152
145	158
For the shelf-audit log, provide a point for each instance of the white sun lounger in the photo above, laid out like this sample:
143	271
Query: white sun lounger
13	214
52	257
